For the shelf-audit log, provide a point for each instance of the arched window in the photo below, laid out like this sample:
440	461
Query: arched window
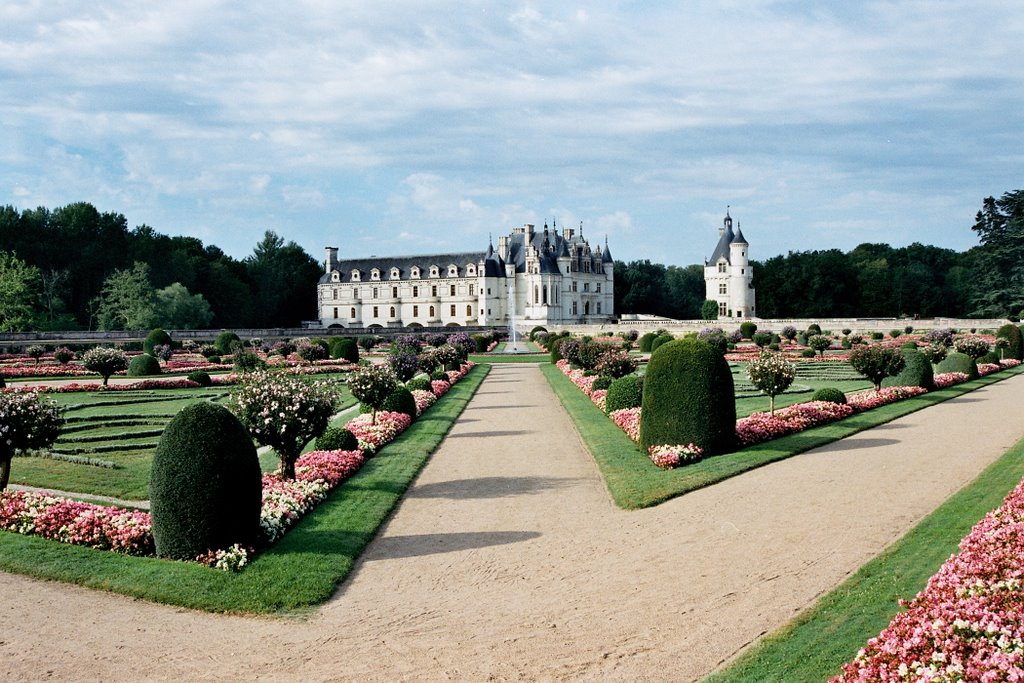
395	274
469	310
355	276
414	272
375	274
431	311
544	297
392	311
335	311
451	311
352	313
471	270
434	271
335	277
536	294
453	271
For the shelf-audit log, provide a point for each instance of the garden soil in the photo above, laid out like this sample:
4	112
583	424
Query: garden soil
507	560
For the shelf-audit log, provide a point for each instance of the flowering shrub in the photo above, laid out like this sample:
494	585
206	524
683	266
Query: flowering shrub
372	385
59	519
231	559
26	423
285	501
615	364
628	420
332	467
105	361
877	362
865	400
372	435
819	343
965	625
63	355
163	351
439	387
1009	362
940	335
771	373
599	396
948	379
973	346
667	457
988	368
424	399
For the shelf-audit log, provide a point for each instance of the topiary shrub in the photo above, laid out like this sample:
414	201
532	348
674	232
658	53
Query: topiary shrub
830	394
418	384
958	362
156	337
762	339
876	362
205	485
645	342
813	329
688	398
143	365
345	348
602	382
747	329
917	372
909	345
1015	347
336	439
224	340
990	357
400	401
536	330
199	377
660	341
625	392
245	360
808	353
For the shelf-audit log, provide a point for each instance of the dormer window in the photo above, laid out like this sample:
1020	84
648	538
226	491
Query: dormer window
375	274
355	276
453	271
434	271
395	274
335	276
414	271
471	270
721	266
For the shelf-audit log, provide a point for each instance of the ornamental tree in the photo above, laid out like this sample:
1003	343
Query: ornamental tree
819	343
284	412
614	363
63	355
35	352
26	423
105	361
771	374
372	385
975	347
877	362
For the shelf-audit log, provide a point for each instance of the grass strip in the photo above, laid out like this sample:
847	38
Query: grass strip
635	482
301	570
489	359
817	643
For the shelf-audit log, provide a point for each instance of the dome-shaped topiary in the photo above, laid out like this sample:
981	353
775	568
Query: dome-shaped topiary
155	338
645	342
1011	333
400	401
224	342
421	383
747	329
958	362
625	392
660	341
602	382
201	378
205	485
337	439
917	372
345	348
688	398
143	365
830	394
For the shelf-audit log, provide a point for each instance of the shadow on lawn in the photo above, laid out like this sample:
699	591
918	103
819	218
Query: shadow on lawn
489	487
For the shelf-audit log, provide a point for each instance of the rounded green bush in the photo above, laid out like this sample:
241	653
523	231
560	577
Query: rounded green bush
224	340
909	345
646	340
747	329
346	348
400	401
418	383
990	357
602	382
625	392
958	362
205	485
143	366
336	439
830	394
808	353
1012	334
155	338
536	330
660	341
688	398
201	378
917	371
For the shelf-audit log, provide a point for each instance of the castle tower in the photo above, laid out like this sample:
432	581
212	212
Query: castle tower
728	276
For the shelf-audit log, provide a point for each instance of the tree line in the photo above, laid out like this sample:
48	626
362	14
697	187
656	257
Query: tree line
74	267
869	281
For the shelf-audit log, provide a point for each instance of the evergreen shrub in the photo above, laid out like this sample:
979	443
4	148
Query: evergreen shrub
830	394
747	329
660	341
345	348
990	357
418	384
205	484
143	365
909	345
602	382
646	340
877	336
813	329
199	377
400	400
223	342
155	338
625	392
808	353
1012	334
336	439
535	331
688	398
917	371
958	362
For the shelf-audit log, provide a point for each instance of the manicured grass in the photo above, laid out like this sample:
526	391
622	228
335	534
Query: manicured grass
301	570
818	642
635	482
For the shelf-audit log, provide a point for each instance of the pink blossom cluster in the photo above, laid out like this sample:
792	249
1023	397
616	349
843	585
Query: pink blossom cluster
96	526
628	420
285	501
599	397
439	387
667	457
869	398
43	370
424	399
72	387
759	427
493	345
948	379
966	624
1009	362
988	368
331	467
372	436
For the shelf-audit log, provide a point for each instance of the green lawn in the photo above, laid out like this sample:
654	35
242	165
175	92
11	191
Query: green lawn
301	570
635	482
819	641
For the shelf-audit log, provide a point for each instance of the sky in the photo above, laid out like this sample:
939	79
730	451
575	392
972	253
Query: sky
427	126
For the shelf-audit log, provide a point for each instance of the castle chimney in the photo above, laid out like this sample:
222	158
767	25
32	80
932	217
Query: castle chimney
331	262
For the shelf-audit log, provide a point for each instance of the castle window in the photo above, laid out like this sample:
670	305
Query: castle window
433	290
452	314
471	270
415	291
434	271
544	295
415	311
374	293
574	308
599	308
453	271
392	311
414	272
355	276
488	291
352	313
375	312
536	294
375	274
586	286
721	266
598	287
451	290
395	274
431	311
472	290
394	292
469	311
743	271
723	308
335	277
723	288
335	311
335	292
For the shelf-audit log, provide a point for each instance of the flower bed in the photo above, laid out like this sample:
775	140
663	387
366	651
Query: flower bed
966	624
373	435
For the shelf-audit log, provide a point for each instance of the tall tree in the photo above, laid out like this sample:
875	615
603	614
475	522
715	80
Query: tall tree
999	269
176	309
19	284
127	301
284	278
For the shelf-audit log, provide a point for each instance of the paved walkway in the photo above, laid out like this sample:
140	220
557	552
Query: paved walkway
507	561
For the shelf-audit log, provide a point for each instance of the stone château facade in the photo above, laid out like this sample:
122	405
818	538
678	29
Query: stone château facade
728	276
534	277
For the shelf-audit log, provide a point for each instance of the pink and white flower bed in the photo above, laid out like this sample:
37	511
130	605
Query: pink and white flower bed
373	435
966	624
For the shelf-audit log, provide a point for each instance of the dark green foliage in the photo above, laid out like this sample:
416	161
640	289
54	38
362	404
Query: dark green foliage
223	342
747	329
439	374
762	339
909	345
813	329
400	401
801	339
155	338
894	333
535	330
830	394
646	340
602	382
625	392
208	351
201	378
709	310
688	398
556	354
247	361
336	439
990	357
876	362
917	372
345	348
958	362
3	384
877	336
143	365
660	341
808	353
1012	334
205	484
418	383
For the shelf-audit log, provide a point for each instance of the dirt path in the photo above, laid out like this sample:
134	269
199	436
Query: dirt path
508	561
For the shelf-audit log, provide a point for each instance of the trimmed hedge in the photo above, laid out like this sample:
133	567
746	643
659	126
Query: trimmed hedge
625	392
1012	334
336	439
688	397
201	378
747	329
917	372
645	342
143	366
205	485
346	348
830	394
958	362
223	342
155	338
660	341
400	401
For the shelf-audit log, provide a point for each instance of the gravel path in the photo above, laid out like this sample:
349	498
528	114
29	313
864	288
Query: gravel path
507	561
